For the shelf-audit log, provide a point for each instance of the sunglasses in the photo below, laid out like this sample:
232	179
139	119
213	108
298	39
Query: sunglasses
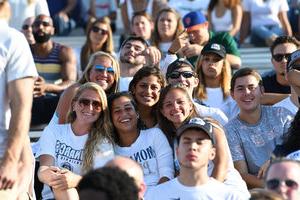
279	57
96	29
26	27
101	68
87	102
273	184
38	23
185	74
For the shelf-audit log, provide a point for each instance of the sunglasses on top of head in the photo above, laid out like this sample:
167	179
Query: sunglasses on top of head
177	74
279	57
96	29
273	184
87	102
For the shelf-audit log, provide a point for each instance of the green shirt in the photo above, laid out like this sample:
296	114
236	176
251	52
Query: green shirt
224	39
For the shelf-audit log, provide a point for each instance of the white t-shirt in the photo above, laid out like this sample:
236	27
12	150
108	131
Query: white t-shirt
183	7
21	10
124	83
173	189
214	113
153	152
265	12
215	99
223	23
288	104
16	62
60	142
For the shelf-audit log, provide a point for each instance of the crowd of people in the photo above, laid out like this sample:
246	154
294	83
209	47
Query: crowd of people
171	114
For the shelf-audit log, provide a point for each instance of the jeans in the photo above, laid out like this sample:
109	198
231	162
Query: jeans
259	34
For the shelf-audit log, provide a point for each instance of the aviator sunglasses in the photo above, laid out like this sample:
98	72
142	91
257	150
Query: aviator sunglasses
279	57
273	184
101	68
87	102
96	29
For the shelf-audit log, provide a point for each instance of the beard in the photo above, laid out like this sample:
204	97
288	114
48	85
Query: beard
41	38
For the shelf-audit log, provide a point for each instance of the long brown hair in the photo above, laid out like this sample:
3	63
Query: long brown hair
101	128
179	28
200	91
115	65
107	47
166	125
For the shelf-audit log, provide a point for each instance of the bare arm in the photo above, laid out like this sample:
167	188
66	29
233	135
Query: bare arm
234	61
209	20
272	98
222	158
126	21
20	105
251	180
237	14
285	23
68	72
245	26
64	103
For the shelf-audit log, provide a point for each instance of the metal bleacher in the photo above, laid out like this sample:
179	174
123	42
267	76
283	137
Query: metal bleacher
257	58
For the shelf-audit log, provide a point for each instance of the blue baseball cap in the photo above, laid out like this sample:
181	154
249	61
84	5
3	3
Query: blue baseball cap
193	20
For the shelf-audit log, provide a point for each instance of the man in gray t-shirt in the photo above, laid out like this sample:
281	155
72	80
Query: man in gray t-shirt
254	133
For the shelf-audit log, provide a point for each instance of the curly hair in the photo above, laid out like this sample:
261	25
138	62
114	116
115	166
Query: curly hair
101	128
113	182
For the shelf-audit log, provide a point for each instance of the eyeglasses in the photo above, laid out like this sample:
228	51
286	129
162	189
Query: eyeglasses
96	29
38	23
87	102
279	57
177	74
273	184
26	27
101	68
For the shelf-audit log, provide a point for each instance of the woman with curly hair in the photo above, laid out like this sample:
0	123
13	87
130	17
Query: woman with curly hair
67	151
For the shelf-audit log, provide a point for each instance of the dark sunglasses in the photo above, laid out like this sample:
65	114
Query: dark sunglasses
87	102
273	184
38	23
177	74
279	57
26	27
96	29
102	69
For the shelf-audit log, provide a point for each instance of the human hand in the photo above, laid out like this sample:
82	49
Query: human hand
8	175
64	16
179	42
39	87
152	55
47	174
191	50
65	180
263	169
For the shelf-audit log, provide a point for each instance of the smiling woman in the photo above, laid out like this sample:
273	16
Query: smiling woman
145	88
67	151
102	69
148	147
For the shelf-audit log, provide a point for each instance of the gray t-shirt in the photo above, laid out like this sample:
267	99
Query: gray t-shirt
254	143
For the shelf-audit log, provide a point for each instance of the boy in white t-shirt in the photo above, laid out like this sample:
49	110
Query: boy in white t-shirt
195	150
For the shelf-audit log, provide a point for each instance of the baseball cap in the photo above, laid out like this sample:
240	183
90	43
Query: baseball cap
198	123
294	155
177	64
193	20
214	48
292	59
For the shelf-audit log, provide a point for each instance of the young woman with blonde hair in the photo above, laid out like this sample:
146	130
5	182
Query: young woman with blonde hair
69	150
